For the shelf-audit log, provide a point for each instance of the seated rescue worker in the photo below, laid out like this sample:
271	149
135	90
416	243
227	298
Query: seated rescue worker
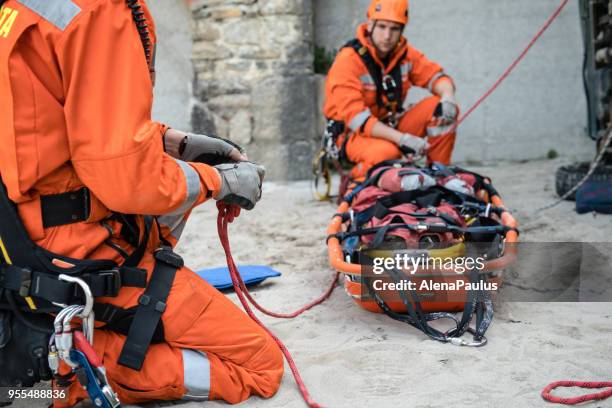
94	178
367	90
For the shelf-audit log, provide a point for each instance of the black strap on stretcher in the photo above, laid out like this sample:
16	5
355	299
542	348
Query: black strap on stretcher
477	303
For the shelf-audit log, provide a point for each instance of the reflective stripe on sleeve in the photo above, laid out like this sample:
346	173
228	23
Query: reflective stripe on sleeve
406	68
58	12
367	79
360	119
192	180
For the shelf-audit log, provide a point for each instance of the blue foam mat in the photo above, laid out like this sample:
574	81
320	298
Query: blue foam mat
251	274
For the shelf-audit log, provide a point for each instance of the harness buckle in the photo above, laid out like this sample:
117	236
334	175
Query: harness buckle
112	281
26	282
169	257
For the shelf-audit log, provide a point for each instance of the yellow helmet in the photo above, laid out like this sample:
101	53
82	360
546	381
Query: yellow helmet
391	10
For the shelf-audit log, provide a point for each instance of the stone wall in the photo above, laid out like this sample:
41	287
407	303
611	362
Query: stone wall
174	71
253	79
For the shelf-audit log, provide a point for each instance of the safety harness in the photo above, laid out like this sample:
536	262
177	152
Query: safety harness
32	272
333	145
388	93
388	86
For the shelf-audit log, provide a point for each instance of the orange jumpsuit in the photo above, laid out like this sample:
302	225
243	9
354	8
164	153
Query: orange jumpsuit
76	99
350	97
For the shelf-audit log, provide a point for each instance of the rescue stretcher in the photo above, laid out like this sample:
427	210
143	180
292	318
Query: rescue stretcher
430	230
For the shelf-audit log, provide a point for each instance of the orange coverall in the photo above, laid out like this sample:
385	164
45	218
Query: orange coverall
350	97
76	99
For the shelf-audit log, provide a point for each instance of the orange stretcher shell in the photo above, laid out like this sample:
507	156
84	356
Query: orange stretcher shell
438	302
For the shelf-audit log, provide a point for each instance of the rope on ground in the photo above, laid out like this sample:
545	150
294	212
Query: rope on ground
226	215
547	392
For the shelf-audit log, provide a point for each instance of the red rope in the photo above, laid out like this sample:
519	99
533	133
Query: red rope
506	73
227	215
547	392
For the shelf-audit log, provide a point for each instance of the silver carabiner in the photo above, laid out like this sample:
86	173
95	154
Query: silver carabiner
87	313
458	341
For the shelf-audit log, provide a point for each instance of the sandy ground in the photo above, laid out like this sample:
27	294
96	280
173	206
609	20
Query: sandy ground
349	357
352	358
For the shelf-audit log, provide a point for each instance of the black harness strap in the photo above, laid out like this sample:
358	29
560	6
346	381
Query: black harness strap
389	86
120	320
65	208
46	286
152	304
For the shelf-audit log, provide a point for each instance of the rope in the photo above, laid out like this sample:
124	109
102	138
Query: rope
509	70
505	75
547	392
592	169
227	215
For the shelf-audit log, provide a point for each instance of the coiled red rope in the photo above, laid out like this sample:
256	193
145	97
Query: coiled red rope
226	215
547	392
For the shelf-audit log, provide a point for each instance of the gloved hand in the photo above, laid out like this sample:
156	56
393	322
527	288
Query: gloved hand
410	144
447	110
241	183
211	150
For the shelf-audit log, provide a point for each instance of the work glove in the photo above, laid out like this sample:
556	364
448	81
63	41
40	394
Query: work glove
447	110
240	183
211	150
410	144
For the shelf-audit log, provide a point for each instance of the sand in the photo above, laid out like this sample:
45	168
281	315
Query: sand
349	357
352	358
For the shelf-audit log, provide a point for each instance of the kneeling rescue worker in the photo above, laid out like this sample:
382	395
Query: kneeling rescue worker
367	90
80	156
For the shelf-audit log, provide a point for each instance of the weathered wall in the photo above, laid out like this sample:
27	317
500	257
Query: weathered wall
540	107
254	82
173	88
247	74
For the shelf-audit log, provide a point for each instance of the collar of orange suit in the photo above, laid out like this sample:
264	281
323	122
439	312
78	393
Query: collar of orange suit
364	39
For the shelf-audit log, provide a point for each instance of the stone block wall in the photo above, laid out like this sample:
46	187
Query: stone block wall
254	82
